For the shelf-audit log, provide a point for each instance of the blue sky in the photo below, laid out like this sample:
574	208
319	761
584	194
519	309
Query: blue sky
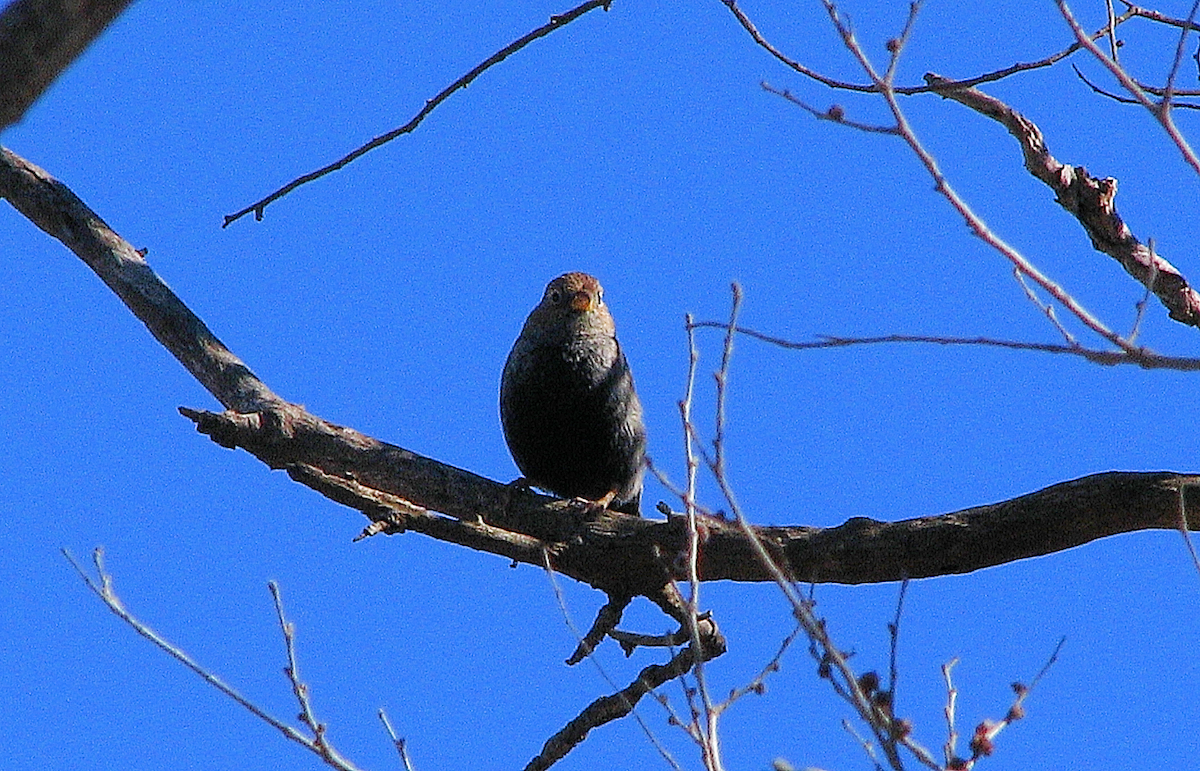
637	145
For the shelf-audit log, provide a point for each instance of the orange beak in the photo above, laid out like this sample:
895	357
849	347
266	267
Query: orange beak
582	301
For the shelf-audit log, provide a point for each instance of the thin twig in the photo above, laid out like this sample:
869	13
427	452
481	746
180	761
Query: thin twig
897	45
722	378
951	746
299	687
984	738
103	588
398	741
870	88
766	45
1143	358
557	21
705	734
1112	28
835	114
867	745
1183	529
759	684
675	490
1161	111
894	636
1046	308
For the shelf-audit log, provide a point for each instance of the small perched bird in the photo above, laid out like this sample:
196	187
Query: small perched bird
571	416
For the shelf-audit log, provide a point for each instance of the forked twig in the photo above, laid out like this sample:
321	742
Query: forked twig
1161	111
616	705
983	738
102	586
869	88
300	688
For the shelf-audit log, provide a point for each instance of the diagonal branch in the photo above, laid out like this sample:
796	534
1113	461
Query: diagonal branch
556	21
1090	200
102	585
617	705
1161	110
38	40
52	206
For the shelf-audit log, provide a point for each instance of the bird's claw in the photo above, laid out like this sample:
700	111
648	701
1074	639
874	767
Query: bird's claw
589	507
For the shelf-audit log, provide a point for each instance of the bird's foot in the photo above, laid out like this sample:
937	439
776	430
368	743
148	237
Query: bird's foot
588	506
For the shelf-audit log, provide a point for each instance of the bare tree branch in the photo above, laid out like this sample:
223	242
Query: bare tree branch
613	551
942	184
102	585
1090	200
835	113
983	740
872	88
555	22
38	40
52	206
1142	357
1161	111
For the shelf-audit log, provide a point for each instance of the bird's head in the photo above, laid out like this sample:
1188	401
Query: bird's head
572	305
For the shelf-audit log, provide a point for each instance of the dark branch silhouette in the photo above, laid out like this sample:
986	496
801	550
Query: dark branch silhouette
871	88
623	555
38	40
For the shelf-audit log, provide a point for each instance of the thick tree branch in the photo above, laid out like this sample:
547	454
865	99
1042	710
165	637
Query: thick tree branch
1090	200
618	552
52	206
621	554
38	40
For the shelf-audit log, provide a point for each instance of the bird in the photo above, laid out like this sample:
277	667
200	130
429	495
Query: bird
571	415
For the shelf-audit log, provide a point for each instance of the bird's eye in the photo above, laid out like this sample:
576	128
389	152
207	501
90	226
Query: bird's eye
555	296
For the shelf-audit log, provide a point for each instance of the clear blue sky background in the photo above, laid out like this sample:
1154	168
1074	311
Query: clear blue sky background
637	145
